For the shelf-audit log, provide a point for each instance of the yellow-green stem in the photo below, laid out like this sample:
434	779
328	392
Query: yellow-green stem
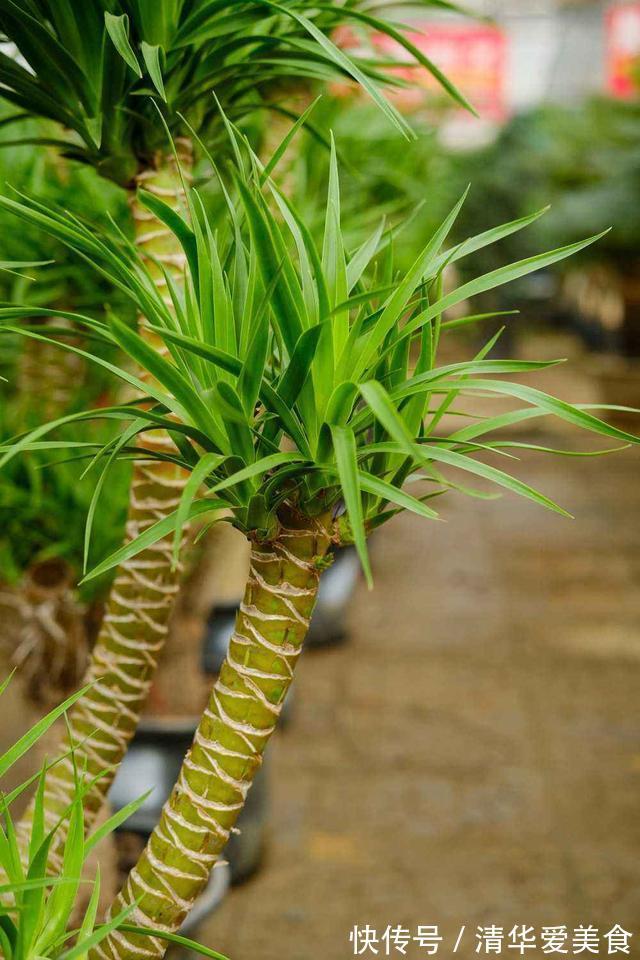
230	740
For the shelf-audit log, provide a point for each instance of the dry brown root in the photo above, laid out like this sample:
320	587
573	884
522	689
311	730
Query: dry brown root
46	639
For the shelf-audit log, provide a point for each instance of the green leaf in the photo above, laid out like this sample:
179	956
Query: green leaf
345	63
113	822
173	938
493	474
253	368
432	452
177	224
8	935
35	884
60	904
543	401
33	901
153	56
381	404
359	263
281	149
398	300
347	464
121	442
9	853
450	398
386	27
268	395
118	30
299	367
273	261
150	536
20	789
257	469
91	912
498	278
236	423
27	740
142	387
220	358
383	409
386	491
488	237
477	318
199	473
5	683
37	825
187	396
83	946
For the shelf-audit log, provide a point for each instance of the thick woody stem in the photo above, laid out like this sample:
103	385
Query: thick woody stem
136	620
229	743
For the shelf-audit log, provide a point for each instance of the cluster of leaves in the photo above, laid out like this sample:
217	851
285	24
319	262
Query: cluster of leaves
94	66
37	908
303	374
380	176
48	175
44	493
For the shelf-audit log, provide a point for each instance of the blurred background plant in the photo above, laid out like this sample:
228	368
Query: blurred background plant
49	624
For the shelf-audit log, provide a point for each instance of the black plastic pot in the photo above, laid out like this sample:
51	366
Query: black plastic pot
337	584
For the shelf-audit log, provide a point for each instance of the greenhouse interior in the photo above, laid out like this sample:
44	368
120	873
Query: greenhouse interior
319	498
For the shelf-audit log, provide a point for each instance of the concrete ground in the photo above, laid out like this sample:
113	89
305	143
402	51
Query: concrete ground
472	756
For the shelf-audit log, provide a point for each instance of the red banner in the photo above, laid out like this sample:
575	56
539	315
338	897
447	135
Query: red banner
473	57
623	48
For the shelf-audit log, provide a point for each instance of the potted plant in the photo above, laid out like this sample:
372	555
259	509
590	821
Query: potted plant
304	393
105	79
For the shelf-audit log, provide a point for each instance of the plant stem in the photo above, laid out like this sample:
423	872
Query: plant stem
136	620
229	743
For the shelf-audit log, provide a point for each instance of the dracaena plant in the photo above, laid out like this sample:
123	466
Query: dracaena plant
39	915
102	71
303	394
91	66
